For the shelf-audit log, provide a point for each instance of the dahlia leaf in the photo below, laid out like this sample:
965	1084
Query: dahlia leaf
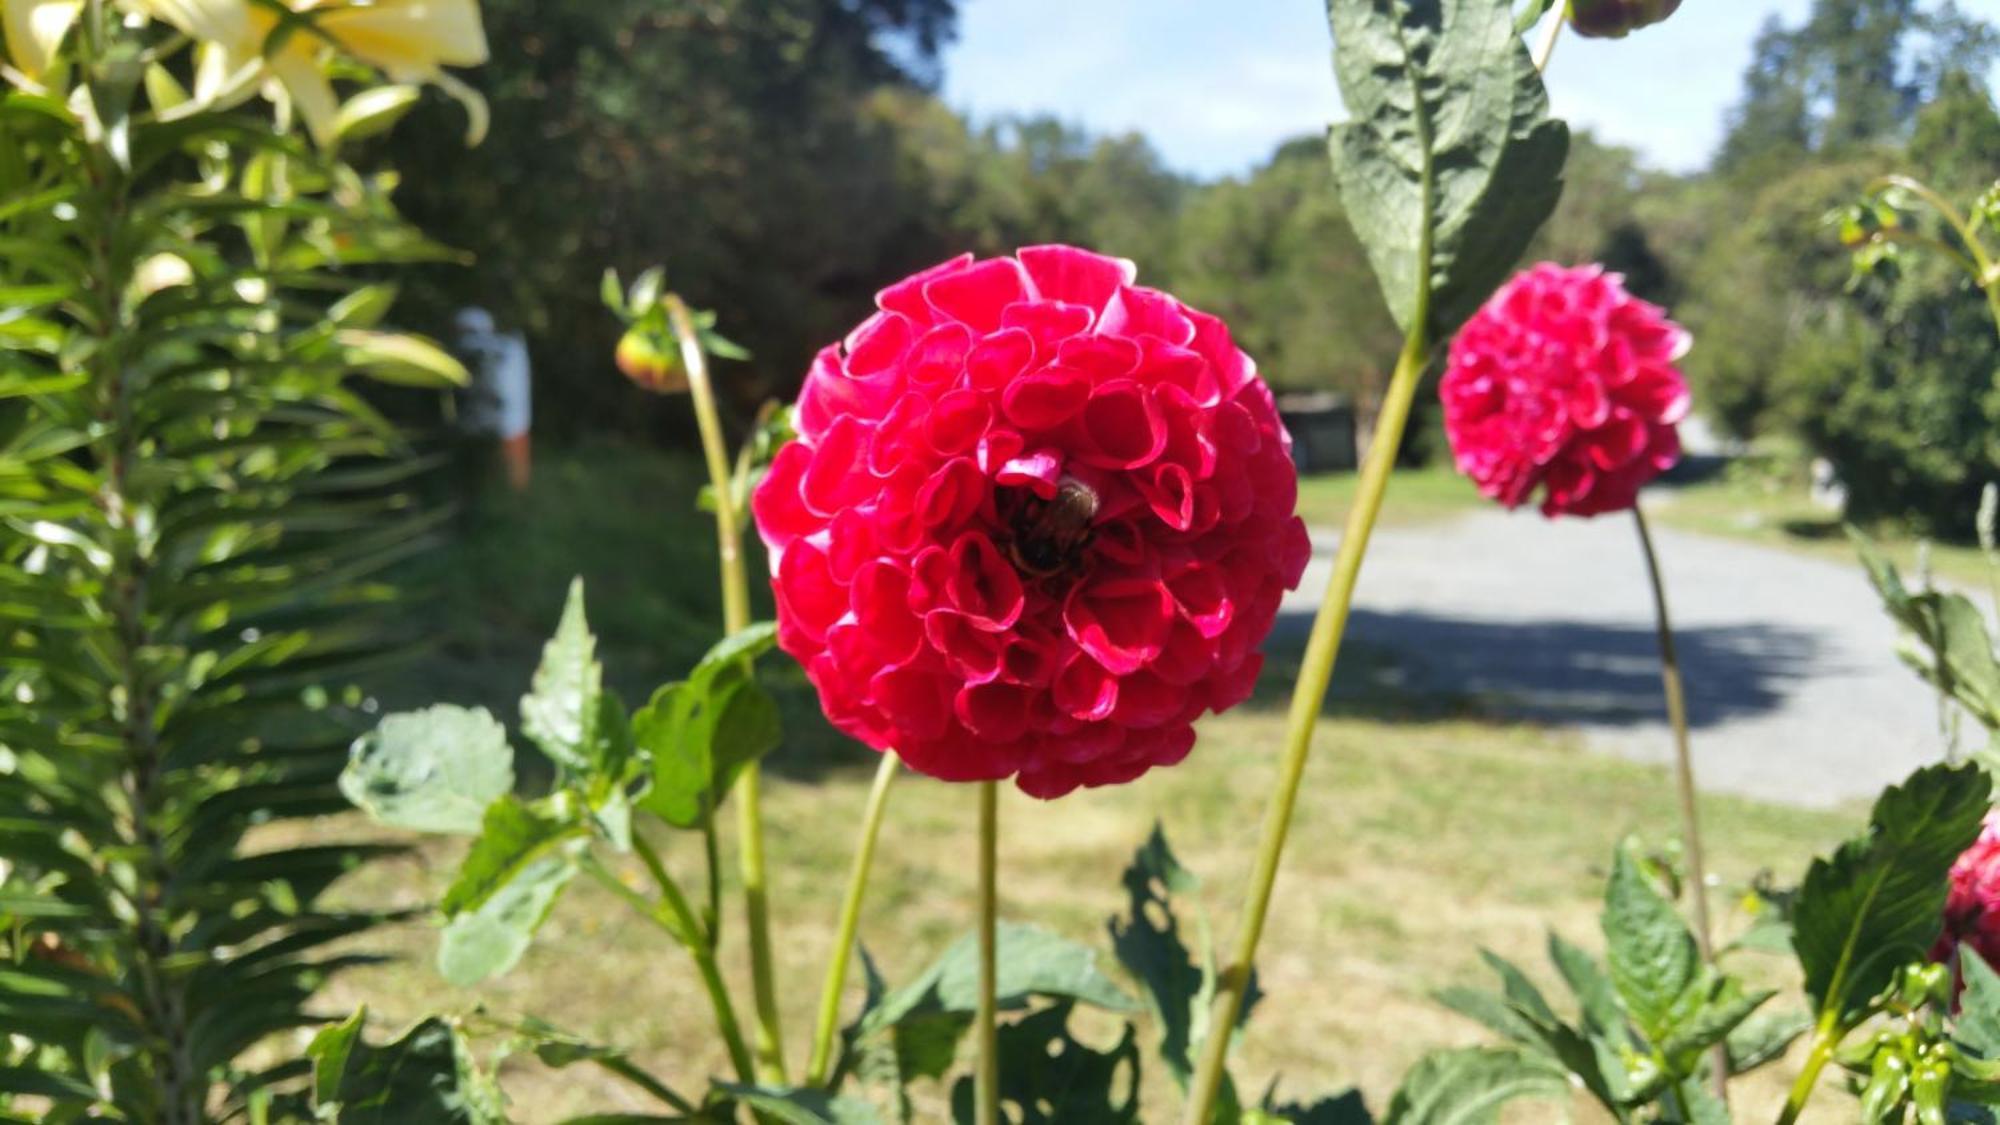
434	770
1945	639
1652	956
427	1075
1978	1026
1031	962
513	837
1764	1038
1878	902
491	939
1450	161
699	736
1047	1077
1469	1086
559	713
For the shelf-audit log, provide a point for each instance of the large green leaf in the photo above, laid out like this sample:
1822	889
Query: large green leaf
1978	1026
1449	162
1651	955
1048	1077
1471	1085
427	1075
560	711
1029	962
801	1107
1945	637
491	939
1878	902
513	836
700	734
434	770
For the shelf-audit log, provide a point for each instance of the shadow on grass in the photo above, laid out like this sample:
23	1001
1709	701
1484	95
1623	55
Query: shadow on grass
1417	668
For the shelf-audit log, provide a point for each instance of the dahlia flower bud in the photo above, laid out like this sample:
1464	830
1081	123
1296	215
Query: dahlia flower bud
1614	19
1972	911
1037	520
651	361
1564	383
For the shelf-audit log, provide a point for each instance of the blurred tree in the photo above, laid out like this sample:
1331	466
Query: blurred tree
1598	218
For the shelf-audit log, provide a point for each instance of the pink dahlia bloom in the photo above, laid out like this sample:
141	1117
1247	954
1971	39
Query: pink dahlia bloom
1972	912
1037	520
1566	384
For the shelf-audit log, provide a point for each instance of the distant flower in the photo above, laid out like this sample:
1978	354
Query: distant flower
1036	522
410	41
1614	19
1565	384
1972	912
34	29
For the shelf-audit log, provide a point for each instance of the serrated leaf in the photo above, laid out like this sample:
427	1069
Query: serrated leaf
424	1076
1651	956
1596	997
1878	902
491	939
1030	962
1470	1086
1977	1028
701	733
1450	162
513	837
1722	1011
559	713
1763	1038
434	770
1048	1077
1177	984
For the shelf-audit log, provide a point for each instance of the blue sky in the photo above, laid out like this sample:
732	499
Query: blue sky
1215	84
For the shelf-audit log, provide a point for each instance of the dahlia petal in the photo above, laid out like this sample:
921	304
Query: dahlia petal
1085	689
983	584
830	482
1046	399
977	295
1120	427
1103	358
952	494
807	594
781	513
907	296
1049	323
999	359
958	421
1065	273
1038	471
1121	622
995	711
879	344
1138	311
917	703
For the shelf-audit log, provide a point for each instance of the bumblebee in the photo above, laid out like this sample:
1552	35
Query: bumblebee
1050	535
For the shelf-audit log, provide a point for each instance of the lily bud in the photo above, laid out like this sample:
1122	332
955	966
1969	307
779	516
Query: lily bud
644	360
1614	19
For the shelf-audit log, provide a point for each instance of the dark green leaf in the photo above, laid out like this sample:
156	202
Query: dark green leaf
1978	1026
1148	941
1449	163
424	1076
434	770
1047	1077
801	1107
1030	962
513	836
1652	957
1878	901
1763	1038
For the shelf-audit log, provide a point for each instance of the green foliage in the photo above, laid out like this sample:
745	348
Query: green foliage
196	509
1470	1086
1943	636
426	1075
700	733
1047	1077
1450	162
434	770
1878	901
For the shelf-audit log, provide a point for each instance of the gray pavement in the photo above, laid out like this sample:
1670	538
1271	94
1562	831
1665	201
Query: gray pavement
1795	691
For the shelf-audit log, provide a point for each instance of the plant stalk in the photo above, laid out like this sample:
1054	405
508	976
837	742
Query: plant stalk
1546	49
850	921
1676	695
1823	1042
736	618
986	1080
1308	698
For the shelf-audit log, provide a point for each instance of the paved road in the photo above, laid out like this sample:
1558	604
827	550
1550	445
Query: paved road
1795	691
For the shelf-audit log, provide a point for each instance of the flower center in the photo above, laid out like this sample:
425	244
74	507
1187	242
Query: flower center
1048	537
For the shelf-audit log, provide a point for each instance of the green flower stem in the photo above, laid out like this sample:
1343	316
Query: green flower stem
986	1080
736	618
1308	698
1546	50
1985	271
850	920
1670	682
1825	1038
681	925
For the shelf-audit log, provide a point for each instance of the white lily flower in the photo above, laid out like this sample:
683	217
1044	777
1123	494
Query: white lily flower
34	29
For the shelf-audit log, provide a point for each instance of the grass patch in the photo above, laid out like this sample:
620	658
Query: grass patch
1415	496
1422	834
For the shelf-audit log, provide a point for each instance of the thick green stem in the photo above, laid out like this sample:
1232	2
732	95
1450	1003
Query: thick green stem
677	921
1825	1039
1670	682
986	1079
842	952
1308	698
736	618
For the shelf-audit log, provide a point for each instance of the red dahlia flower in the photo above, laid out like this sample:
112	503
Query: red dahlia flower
1036	521
1565	383
1972	912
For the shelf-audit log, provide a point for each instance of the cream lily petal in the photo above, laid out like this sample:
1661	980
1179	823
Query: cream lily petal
410	39
34	29
212	21
478	117
312	94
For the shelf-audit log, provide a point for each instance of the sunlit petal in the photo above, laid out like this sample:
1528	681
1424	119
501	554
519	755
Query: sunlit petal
34	29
